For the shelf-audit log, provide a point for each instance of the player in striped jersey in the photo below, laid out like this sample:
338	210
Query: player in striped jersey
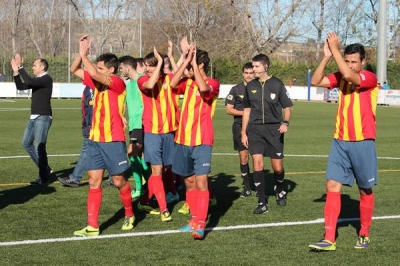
352	154
106	147
159	125
195	135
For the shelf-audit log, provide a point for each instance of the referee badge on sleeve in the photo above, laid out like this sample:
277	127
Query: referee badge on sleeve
229	97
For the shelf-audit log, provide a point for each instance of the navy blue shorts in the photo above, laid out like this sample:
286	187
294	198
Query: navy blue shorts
159	148
192	160
107	155
349	160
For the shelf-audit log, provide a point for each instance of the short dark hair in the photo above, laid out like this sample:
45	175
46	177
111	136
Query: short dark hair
355	48
262	58
140	61
248	65
44	63
167	61
203	58
128	60
110	60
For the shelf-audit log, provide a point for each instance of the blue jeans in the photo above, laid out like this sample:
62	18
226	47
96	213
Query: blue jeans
34	142
80	166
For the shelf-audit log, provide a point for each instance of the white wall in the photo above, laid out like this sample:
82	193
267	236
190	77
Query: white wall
74	90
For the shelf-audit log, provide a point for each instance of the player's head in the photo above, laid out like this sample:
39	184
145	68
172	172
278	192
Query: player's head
151	62
248	72
202	60
141	67
39	66
127	64
260	64
107	63
167	64
354	56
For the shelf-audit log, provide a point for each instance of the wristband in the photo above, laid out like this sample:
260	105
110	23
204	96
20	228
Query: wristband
285	122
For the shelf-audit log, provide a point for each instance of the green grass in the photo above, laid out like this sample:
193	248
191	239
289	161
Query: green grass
54	212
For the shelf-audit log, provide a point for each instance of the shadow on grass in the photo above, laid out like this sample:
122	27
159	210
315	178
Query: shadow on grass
288	185
21	195
225	196
349	212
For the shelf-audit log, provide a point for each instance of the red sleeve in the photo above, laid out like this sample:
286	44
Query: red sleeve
87	80
214	85
117	84
334	79
368	80
141	81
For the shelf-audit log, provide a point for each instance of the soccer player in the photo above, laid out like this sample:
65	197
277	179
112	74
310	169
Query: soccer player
263	128
106	148
134	104
37	129
352	154
195	135
159	125
234	107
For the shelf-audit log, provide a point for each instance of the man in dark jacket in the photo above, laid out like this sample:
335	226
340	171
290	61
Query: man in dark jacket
35	136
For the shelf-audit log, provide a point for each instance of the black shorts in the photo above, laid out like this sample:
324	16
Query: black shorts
237	137
265	139
136	136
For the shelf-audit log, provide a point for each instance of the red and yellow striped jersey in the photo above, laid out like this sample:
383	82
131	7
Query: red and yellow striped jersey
195	126
107	124
159	114
355	118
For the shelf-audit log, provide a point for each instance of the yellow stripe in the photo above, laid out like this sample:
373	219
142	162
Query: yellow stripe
107	118
374	99
190	118
357	116
154	129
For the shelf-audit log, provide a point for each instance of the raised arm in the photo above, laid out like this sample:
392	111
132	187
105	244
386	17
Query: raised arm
347	72
318	78
177	76
149	84
171	57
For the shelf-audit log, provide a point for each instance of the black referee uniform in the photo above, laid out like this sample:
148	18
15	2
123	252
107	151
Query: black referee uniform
266	101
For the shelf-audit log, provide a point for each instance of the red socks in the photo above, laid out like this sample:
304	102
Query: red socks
331	214
191	199
367	203
126	198
203	198
155	182
93	206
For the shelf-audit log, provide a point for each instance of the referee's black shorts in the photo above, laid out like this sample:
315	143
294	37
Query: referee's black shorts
265	139
237	137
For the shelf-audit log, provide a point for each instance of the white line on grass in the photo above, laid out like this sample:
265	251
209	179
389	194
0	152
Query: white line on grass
165	232
214	154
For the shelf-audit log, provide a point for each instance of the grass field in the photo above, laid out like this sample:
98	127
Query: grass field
37	223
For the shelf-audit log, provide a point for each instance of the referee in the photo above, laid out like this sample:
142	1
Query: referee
263	128
234	107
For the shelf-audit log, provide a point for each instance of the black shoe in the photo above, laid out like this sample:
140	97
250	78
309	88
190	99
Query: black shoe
39	182
68	182
245	192
261	208
108	183
281	198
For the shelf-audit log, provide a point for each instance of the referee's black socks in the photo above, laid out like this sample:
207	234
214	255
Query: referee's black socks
279	177
244	170
259	182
